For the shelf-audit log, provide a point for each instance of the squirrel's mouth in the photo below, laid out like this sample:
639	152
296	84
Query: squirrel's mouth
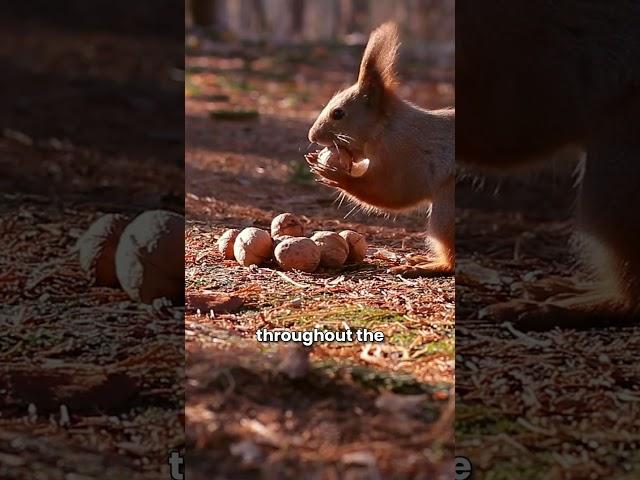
356	165
351	152
355	153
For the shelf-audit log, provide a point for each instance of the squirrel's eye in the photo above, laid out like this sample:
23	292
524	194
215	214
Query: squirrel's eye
337	114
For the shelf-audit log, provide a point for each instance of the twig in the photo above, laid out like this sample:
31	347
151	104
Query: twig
290	280
522	336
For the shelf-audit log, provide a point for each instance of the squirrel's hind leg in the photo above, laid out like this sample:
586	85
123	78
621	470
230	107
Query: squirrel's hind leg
440	237
610	218
432	268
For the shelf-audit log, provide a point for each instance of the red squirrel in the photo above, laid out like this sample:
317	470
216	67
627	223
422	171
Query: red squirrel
533	78
410	151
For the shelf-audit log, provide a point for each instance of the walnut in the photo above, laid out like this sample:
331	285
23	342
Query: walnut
97	249
286	224
360	167
253	246
333	249
150	257
336	157
357	246
298	254
226	241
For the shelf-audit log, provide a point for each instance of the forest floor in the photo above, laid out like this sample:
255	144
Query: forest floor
381	410
557	404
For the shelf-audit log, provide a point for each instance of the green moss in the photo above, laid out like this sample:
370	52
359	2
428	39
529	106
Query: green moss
404	338
300	173
445	345
477	420
375	379
354	316
512	470
195	69
229	83
190	88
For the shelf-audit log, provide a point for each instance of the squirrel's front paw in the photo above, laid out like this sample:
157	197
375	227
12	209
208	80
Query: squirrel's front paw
311	158
330	175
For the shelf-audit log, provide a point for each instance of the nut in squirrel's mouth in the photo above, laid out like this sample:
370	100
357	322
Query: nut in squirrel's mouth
342	157
355	155
339	146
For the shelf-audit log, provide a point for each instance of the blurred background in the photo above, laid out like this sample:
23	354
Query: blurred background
91	123
92	101
427	25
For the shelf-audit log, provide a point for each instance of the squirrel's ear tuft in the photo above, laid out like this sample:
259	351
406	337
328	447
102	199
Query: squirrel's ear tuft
378	66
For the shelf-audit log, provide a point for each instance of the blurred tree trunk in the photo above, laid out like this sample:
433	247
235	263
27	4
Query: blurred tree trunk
260	15
250	18
357	15
321	20
337	22
297	17
427	26
203	12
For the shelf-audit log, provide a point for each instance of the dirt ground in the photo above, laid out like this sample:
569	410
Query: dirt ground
558	404
358	410
90	381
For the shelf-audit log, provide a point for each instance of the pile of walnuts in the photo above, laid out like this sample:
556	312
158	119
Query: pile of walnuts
144	257
290	248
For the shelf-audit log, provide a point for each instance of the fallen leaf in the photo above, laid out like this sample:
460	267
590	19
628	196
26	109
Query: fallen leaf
213	301
79	389
471	273
222	114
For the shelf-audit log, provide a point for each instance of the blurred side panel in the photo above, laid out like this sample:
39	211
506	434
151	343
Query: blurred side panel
91	286
548	265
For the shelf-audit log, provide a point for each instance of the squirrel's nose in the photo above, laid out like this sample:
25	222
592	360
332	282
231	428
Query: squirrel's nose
312	135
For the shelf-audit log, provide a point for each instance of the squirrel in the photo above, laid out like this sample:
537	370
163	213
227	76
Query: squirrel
536	78
410	151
